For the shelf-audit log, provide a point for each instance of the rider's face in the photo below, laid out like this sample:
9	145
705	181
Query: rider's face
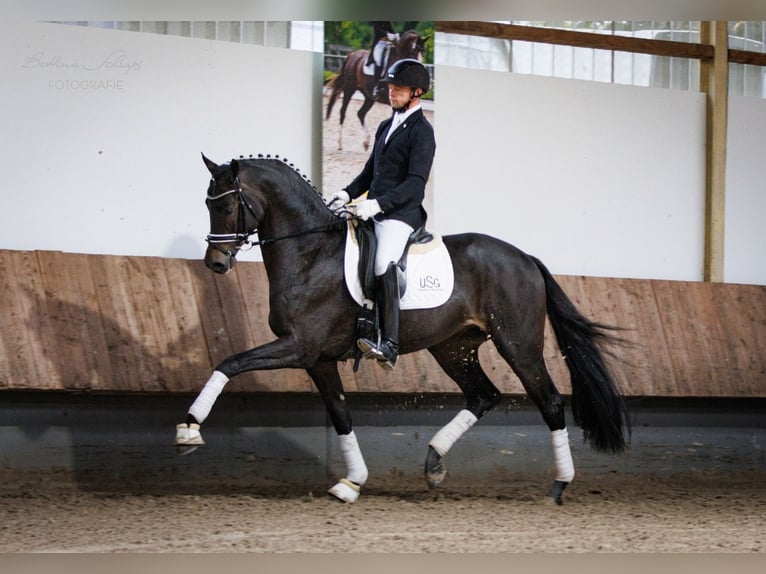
398	95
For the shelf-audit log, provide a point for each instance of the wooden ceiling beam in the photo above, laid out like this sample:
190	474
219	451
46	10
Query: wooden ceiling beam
578	39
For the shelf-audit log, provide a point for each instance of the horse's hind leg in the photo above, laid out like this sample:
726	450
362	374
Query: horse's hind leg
361	114
459	357
328	382
526	359
343	107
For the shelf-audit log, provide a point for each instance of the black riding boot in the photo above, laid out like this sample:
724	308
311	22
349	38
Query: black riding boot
378	73
386	349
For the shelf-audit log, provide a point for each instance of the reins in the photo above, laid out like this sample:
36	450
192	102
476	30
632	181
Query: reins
243	238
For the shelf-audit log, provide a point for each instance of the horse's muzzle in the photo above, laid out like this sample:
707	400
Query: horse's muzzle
219	261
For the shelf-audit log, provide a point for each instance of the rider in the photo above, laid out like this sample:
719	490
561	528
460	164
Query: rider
383	34
395	177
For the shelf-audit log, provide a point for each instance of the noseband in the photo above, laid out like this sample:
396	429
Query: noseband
242	234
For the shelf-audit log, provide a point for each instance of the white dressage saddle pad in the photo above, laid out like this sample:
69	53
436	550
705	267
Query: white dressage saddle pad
430	277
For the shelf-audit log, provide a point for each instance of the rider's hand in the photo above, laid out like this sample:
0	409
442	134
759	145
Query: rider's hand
338	201
367	208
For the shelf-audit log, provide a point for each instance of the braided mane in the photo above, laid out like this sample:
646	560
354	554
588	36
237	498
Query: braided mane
286	162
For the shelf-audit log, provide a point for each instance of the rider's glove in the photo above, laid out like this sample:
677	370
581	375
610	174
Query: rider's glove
338	201
367	208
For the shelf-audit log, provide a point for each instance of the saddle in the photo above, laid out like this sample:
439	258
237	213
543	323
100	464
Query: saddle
365	237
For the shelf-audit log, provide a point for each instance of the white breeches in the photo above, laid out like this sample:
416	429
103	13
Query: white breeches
392	236
379	51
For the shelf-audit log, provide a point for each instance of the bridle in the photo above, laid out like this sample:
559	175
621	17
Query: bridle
242	236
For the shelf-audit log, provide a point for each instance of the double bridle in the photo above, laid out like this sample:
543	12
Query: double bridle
242	235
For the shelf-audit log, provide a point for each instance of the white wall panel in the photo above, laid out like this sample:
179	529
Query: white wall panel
102	132
594	179
745	224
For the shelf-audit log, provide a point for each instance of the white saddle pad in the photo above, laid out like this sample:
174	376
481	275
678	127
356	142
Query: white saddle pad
369	69
430	277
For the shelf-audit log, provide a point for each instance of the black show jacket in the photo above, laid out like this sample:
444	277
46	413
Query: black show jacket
397	171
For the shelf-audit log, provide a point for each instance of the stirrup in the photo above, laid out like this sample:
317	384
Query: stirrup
375	351
370	349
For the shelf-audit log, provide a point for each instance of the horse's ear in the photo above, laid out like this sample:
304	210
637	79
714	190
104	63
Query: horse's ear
234	168
211	165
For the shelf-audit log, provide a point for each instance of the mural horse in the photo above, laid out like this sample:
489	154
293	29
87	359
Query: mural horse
354	76
499	293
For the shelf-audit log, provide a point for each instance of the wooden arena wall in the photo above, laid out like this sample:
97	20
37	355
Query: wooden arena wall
119	324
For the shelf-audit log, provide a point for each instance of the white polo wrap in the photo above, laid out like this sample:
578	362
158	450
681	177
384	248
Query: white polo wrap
202	406
562	455
453	430
352	454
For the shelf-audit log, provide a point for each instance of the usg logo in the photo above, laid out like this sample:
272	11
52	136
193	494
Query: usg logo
429	282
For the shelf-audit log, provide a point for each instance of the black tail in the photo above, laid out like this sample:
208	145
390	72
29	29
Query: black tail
597	404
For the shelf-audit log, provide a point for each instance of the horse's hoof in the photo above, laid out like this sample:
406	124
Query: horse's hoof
345	491
435	476
188	435
183	450
435	469
554	494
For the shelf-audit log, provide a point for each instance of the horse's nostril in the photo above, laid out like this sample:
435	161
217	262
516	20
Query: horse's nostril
219	268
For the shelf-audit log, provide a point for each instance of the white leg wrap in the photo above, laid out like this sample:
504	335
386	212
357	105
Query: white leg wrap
562	455
204	403
453	430
352	454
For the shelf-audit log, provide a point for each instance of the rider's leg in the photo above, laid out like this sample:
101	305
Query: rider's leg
377	57
392	236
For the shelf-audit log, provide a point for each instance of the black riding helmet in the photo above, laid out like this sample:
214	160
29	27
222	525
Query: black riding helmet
408	72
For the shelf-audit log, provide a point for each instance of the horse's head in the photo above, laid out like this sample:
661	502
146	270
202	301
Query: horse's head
233	218
412	45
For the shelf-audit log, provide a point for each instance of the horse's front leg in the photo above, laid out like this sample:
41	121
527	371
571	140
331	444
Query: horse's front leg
284	353
327	380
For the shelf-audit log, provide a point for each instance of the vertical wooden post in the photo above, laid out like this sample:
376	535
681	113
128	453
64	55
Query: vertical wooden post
714	80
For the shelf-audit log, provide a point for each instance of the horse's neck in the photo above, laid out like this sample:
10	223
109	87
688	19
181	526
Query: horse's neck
403	47
298	227
293	203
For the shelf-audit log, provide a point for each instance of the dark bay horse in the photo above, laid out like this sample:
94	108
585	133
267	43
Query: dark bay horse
352	78
500	293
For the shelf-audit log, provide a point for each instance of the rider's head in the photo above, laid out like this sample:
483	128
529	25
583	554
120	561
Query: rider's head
410	74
